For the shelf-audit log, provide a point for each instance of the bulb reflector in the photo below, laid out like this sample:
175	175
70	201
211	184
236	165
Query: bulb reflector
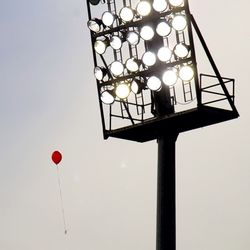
186	73
170	76
164	54
154	83
147	33
163	29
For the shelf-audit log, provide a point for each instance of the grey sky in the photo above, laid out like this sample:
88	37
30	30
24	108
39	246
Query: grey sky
48	101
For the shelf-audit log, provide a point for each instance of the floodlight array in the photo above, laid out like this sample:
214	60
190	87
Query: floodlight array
131	26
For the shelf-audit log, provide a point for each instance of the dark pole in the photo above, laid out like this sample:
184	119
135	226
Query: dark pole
166	202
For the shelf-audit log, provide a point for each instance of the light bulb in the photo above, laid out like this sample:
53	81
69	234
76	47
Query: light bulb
107	97
133	38
147	33
163	28
122	90
115	42
164	54
170	76
181	50
160	5
143	8
108	18
116	68
179	22
149	58
132	65
176	3
126	14
154	83
186	73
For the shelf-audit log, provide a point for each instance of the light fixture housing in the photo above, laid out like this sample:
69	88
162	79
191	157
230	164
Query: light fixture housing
100	73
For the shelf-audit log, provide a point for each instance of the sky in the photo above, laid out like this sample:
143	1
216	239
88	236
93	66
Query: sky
48	102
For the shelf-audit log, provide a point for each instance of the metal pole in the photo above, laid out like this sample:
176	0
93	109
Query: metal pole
166	201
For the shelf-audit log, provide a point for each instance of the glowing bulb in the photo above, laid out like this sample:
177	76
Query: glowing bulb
126	14
149	58
147	33
107	97
163	29
133	38
122	90
186	73
164	54
116	68
100	46
154	83
115	42
108	18
176	3
160	5
170	76
181	50
143	8
132	65
179	22
95	25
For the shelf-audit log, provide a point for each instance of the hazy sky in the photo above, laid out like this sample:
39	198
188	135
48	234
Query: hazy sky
48	101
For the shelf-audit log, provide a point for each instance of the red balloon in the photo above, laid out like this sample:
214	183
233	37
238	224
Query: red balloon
56	157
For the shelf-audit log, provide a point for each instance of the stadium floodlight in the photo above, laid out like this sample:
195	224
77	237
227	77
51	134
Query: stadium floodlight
186	73
181	50
163	28
170	76
154	83
108	18
133	38
147	33
143	8
164	54
123	90
160	5
179	22
127	14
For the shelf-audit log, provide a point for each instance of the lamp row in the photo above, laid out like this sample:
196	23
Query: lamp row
148	59
127	14
169	77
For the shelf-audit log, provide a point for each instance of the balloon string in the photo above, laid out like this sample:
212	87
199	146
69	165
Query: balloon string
61	199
